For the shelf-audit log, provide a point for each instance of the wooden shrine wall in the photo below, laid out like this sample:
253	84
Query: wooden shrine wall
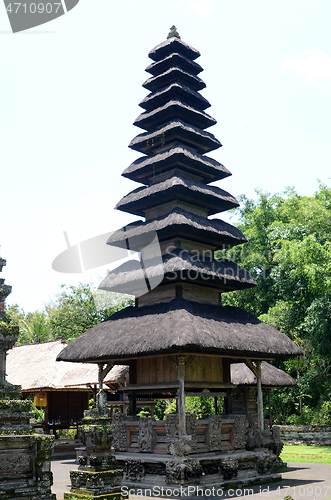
160	369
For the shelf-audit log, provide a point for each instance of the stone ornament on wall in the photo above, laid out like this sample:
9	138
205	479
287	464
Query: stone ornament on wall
265	462
15	464
183	472
239	432
147	435
172	430
134	470
229	468
214	431
120	433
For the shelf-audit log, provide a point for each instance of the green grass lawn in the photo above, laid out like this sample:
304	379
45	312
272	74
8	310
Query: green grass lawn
315	454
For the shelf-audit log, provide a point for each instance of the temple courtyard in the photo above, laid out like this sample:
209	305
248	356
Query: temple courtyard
304	481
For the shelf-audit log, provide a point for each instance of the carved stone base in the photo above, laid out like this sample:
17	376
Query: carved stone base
95	484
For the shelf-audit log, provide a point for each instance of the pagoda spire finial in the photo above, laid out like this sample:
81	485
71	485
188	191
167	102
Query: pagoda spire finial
173	32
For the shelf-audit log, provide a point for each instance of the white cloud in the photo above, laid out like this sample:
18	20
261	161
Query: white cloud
314	65
240	123
204	8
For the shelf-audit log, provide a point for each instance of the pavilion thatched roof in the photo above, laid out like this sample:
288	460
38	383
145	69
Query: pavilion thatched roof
271	376
176	327
34	367
178	223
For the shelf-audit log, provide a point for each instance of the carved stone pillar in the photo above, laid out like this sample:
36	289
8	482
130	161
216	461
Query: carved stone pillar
97	476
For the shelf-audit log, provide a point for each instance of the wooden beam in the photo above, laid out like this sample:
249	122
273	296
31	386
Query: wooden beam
205	394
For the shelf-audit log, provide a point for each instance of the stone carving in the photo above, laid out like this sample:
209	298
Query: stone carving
147	435
214	442
172	430
260	439
134	470
191	429
229	468
18	464
181	446
278	444
239	432
97	474
120	433
185	471
96	482
265	462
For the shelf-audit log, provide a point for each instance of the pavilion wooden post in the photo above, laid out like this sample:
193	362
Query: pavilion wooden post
269	406
256	369
181	395
260	418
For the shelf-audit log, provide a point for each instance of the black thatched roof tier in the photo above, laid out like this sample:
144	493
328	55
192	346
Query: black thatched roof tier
178	223
173	110
177	187
172	75
174	91
174	60
177	157
174	132
271	376
173	45
179	266
179	326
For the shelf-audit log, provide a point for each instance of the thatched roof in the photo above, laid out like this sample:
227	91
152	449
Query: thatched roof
171	61
179	157
156	83
176	327
172	45
178	223
34	367
175	131
175	90
271	376
177	187
178	266
149	120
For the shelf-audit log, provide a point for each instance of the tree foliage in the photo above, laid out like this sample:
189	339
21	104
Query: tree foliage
289	255
75	310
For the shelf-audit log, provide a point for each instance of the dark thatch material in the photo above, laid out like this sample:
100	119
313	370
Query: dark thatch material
176	327
180	157
171	61
173	45
271	376
177	187
172	110
174	75
174	132
174	91
179	266
178	223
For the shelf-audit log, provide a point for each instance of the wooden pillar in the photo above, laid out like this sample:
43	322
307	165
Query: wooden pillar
133	403
215	404
269	407
181	395
260	418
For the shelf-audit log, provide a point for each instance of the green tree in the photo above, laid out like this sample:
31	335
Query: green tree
75	310
289	254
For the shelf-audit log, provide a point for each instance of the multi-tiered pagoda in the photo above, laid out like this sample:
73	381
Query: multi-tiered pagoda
179	340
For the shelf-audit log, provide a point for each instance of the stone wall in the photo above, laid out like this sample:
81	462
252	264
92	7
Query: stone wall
306	434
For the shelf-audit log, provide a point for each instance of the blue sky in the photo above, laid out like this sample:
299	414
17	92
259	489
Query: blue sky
70	91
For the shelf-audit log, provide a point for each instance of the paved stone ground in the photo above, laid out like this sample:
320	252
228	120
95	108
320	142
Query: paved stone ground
301	482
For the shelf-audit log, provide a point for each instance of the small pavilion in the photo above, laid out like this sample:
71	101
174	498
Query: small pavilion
179	340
